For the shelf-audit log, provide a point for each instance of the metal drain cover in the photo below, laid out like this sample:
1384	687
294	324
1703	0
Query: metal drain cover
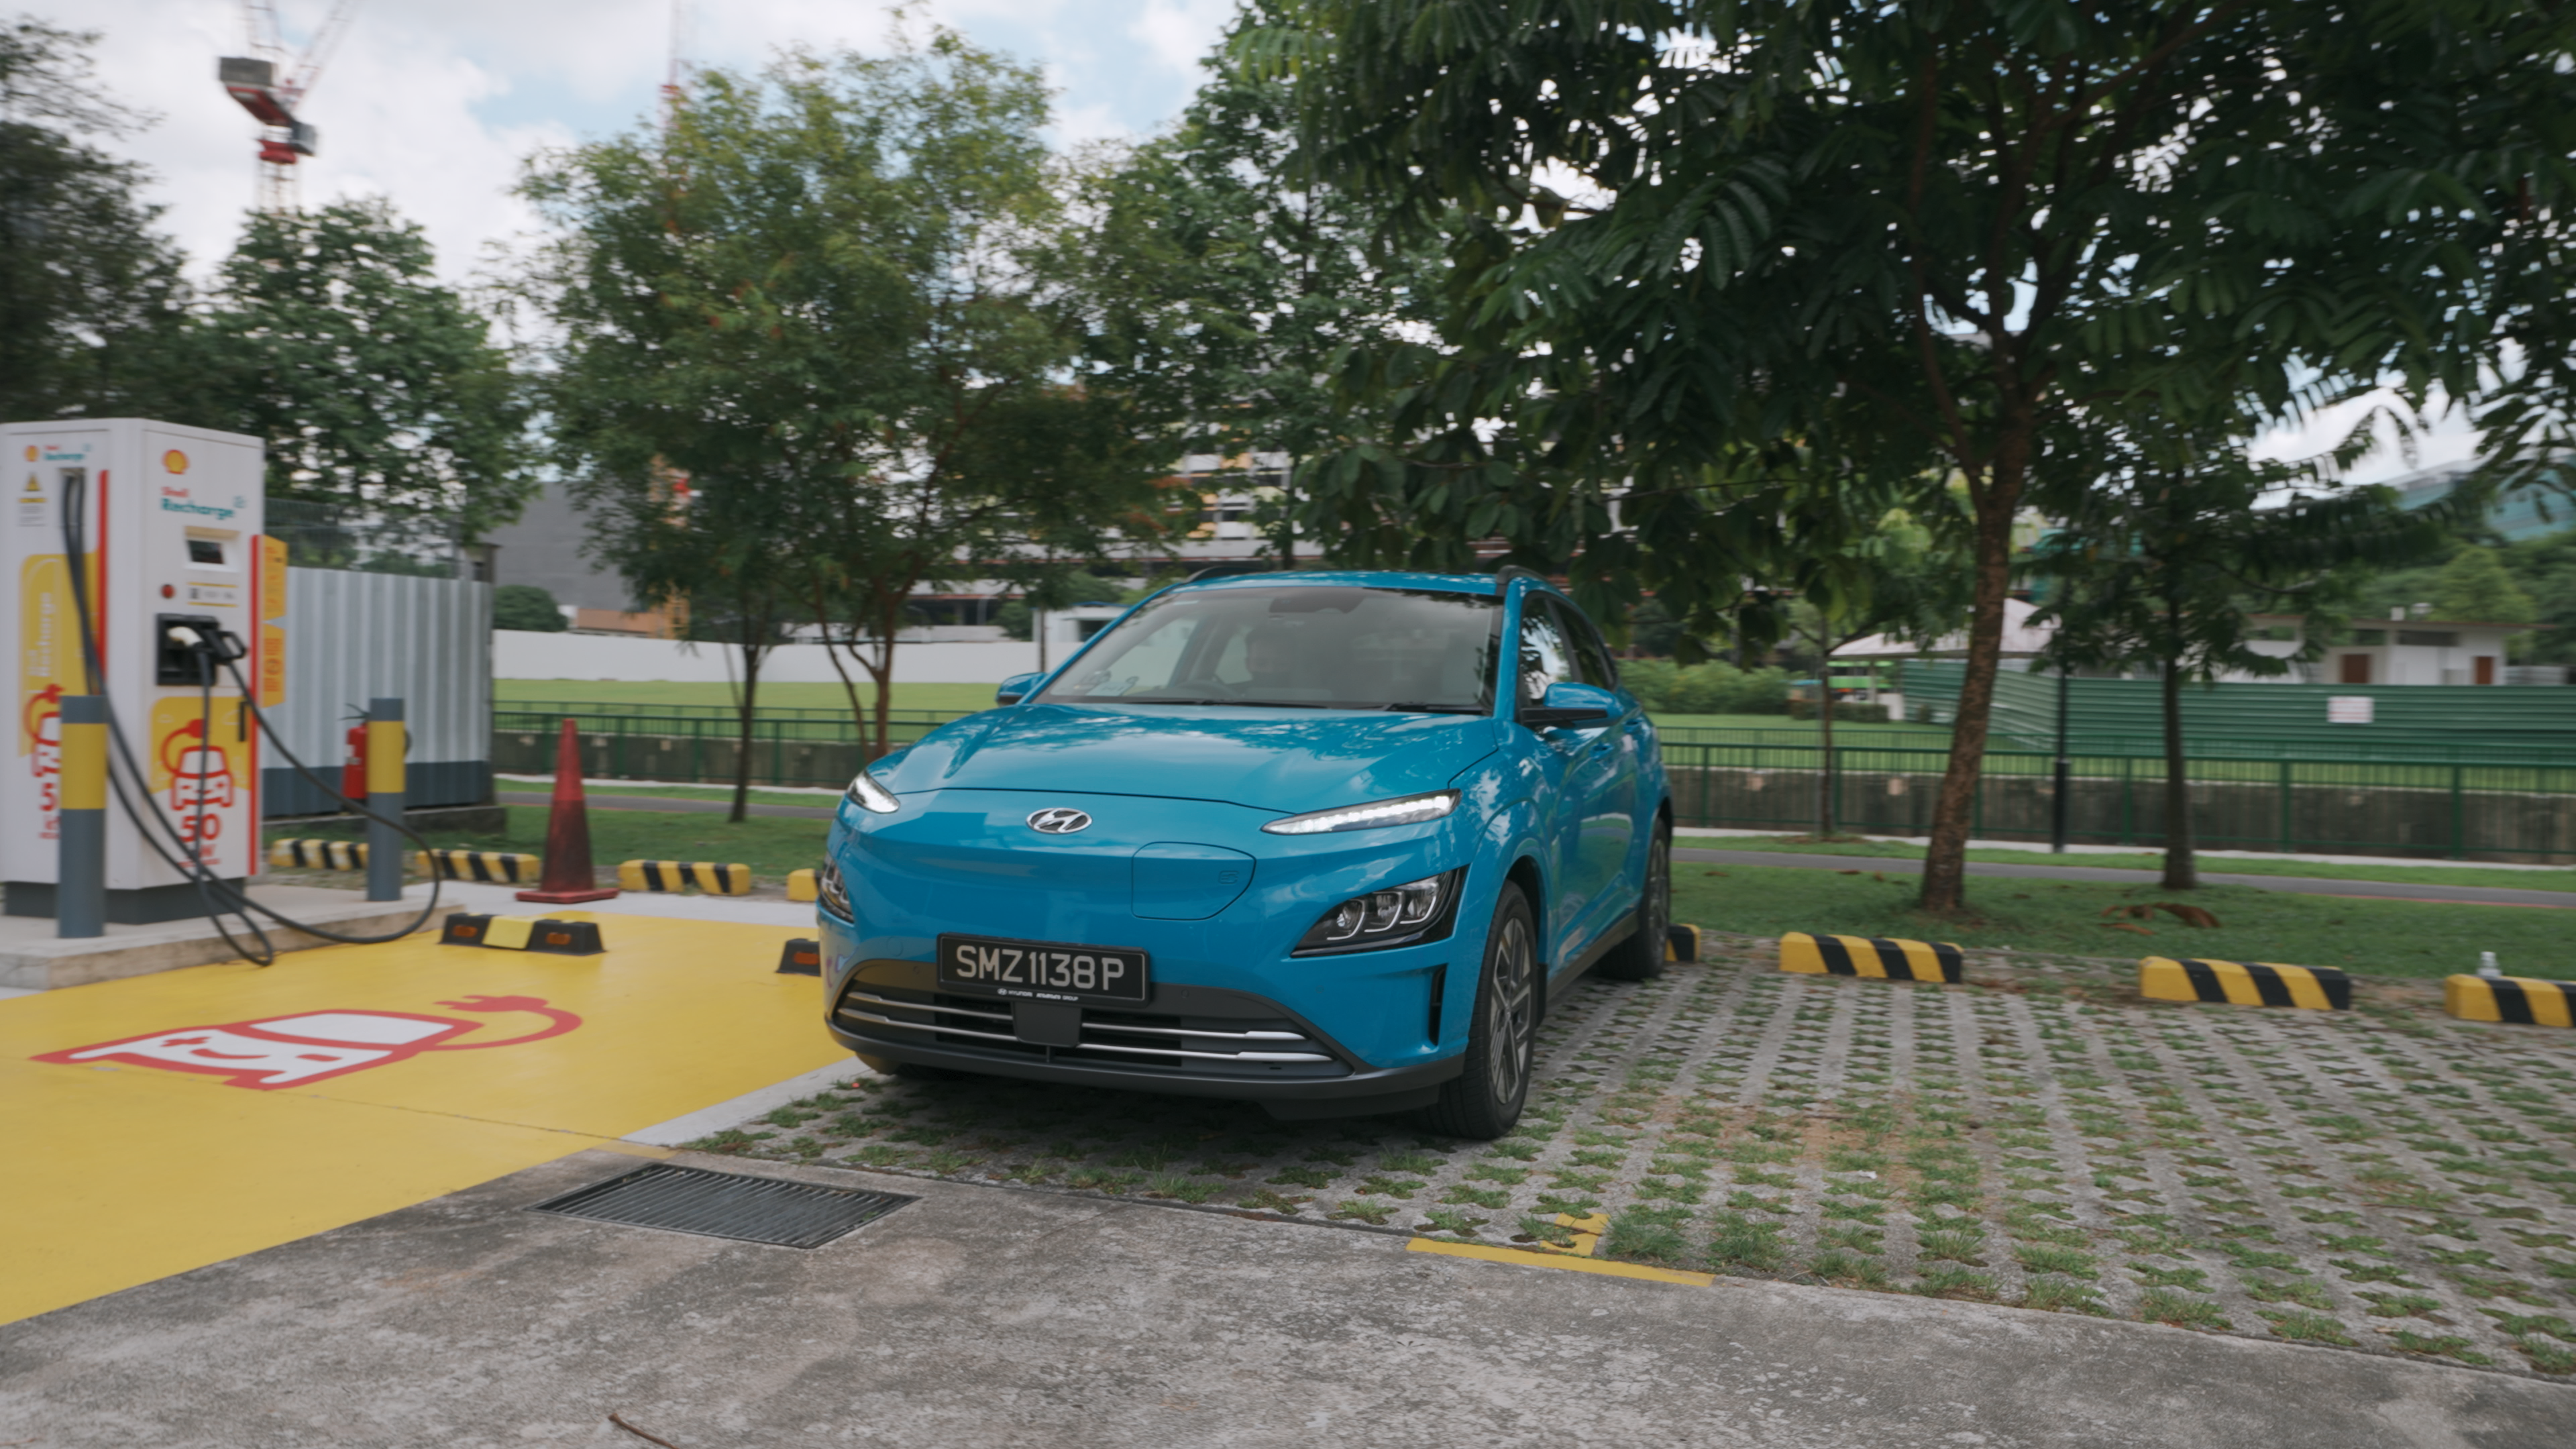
726	1205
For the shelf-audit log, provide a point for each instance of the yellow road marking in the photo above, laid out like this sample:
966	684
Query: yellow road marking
1559	1260
122	1173
1587	1234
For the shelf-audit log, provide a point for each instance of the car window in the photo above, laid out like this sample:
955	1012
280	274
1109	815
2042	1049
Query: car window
1317	646
1546	658
1592	662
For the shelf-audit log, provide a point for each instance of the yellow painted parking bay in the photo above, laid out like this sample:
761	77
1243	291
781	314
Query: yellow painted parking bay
188	1117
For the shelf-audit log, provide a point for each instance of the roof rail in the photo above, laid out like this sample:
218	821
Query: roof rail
1229	570
1503	576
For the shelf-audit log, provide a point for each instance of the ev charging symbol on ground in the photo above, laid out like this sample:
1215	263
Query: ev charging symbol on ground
289	1051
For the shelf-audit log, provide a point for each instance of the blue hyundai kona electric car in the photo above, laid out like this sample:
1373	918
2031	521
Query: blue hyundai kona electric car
1329	842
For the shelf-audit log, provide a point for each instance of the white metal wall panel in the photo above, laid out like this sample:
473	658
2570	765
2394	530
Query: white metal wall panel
351	637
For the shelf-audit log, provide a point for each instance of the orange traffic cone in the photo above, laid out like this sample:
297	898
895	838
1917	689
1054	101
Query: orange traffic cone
569	878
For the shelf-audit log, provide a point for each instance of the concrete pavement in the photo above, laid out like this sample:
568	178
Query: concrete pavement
1000	1316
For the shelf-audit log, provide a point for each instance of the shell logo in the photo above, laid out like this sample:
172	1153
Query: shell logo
175	461
31	452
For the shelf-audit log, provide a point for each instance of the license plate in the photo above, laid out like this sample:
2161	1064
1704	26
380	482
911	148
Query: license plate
1042	970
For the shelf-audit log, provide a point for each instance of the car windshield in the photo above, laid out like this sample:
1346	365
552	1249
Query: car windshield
1315	646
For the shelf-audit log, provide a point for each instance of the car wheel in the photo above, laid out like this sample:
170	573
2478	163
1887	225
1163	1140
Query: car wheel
1641	956
1484	1101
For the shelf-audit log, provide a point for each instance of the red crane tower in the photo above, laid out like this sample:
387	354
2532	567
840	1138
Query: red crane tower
271	84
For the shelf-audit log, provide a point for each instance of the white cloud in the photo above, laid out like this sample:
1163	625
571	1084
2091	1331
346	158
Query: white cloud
437	106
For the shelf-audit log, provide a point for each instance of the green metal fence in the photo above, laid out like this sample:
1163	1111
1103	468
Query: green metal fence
2465	800
682	743
2524	812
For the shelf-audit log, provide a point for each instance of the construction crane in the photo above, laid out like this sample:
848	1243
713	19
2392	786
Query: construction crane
271	84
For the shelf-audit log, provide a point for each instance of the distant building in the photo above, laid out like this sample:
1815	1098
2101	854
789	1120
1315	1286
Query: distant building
2399	651
2518	515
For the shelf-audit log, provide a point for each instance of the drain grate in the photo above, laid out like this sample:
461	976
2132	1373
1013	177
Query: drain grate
726	1205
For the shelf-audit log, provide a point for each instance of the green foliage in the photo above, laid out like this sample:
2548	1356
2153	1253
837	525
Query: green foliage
91	298
1707	255
372	384
834	299
2475	587
525	606
1712	688
1227	286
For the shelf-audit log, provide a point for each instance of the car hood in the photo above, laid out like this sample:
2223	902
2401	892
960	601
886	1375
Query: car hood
1270	759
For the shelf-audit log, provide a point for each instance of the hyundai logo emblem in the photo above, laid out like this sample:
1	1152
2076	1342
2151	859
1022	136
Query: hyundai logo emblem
1058	820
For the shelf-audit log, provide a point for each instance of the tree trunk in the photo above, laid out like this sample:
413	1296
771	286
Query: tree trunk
751	652
2180	874
1945	857
889	616
1825	731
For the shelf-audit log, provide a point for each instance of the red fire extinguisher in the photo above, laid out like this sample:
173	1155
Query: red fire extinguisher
353	770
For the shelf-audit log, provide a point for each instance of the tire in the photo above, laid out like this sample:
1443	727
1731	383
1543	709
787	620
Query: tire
1641	956
1485	1100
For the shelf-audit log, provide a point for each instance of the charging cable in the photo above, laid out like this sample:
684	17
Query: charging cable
219	897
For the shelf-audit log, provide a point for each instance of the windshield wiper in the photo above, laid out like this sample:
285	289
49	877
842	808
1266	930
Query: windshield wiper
1434	708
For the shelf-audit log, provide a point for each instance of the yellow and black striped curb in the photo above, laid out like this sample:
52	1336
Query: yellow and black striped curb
801	886
1879	957
2522	1000
523	933
1681	943
672	875
802	956
488	865
317	854
2244	983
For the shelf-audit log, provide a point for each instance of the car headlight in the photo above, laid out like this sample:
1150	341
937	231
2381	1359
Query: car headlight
1399	915
1402	810
831	892
868	795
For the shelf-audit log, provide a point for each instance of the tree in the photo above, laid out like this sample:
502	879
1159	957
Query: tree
2167	559
2546	569
525	606
2474	587
1697	224
91	298
1894	579
373	386
1230	290
827	285
724	554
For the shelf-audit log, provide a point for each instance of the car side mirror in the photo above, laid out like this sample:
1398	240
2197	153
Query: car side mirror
1570	704
1016	688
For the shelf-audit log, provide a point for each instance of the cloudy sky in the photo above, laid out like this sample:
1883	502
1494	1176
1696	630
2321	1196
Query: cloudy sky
435	103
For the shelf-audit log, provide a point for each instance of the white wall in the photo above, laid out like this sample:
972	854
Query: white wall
518	654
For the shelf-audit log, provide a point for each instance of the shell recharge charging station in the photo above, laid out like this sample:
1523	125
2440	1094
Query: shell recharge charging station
169	522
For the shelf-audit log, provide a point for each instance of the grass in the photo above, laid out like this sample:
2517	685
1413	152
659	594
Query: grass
2394	871
770	847
2366	938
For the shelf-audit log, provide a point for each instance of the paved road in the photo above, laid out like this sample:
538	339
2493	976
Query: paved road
996	1316
671	805
2294	884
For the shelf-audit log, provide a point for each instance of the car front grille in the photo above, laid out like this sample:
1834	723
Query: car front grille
1267	1048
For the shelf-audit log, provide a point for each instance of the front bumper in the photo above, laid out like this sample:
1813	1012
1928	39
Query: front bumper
1200	1041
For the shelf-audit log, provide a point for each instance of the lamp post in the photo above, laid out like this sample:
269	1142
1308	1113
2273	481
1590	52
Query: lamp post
2057	794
